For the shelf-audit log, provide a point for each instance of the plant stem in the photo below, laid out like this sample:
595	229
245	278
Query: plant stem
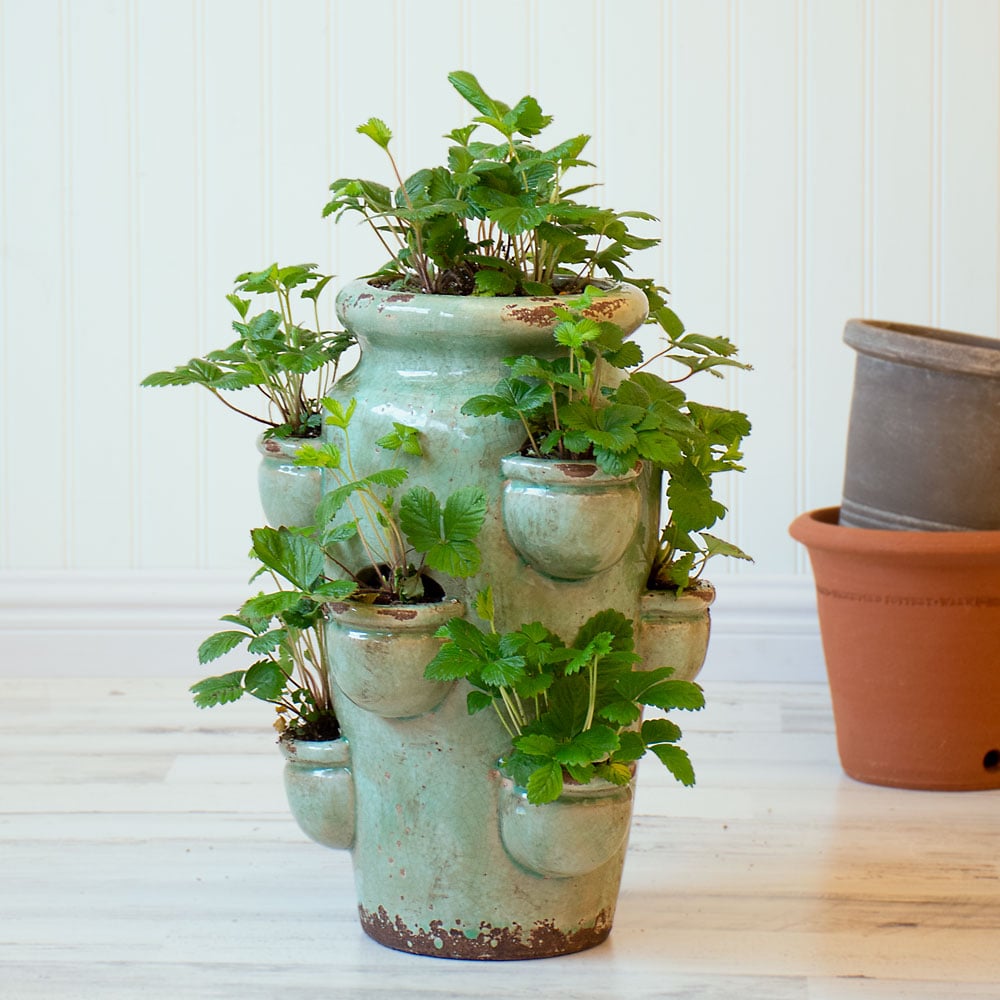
225	402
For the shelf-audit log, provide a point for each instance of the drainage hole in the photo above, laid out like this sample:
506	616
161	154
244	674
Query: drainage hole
991	760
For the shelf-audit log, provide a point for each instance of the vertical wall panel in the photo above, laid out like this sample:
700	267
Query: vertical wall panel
768	284
100	389
166	283
970	164
832	256
234	229
364	85
904	171
810	160
632	168
37	262
297	105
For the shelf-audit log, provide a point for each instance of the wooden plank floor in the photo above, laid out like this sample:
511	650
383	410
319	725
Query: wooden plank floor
146	852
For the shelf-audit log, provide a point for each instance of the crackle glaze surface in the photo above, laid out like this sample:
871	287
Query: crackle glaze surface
431	873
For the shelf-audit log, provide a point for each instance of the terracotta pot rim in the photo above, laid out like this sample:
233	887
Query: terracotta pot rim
949	351
819	529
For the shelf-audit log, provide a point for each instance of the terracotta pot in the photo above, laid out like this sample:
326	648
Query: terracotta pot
923	446
910	624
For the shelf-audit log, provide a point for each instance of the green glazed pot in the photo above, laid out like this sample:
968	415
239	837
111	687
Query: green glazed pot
581	831
378	653
569	520
289	493
674	629
431	872
320	790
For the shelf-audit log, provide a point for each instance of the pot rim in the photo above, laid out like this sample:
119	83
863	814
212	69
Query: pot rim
700	594
328	752
275	447
820	529
394	616
625	305
948	351
557	471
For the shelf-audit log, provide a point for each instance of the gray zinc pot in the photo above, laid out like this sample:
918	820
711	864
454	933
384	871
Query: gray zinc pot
923	447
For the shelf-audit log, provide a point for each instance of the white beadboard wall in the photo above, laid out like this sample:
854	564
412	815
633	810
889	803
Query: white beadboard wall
811	160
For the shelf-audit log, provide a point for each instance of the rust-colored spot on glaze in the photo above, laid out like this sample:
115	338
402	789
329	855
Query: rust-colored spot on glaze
544	940
361	298
578	470
530	315
400	614
400	297
604	308
272	446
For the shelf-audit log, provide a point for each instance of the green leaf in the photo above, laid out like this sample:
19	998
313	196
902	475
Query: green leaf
218	690
631	747
689	497
476	701
468	86
674	694
609	621
484	605
401	438
516	219
420	517
268	641
502	671
617	772
464	513
445	536
611	427
325	456
297	559
590	746
377	130
622	712
510	398
335	590
526	117
219	644
339	415
536	745
265	680
492	282
450	663
267	606
660	731
599	645
676	761
545	784
718	547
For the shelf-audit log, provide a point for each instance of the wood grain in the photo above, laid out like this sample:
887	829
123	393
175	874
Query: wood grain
146	850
